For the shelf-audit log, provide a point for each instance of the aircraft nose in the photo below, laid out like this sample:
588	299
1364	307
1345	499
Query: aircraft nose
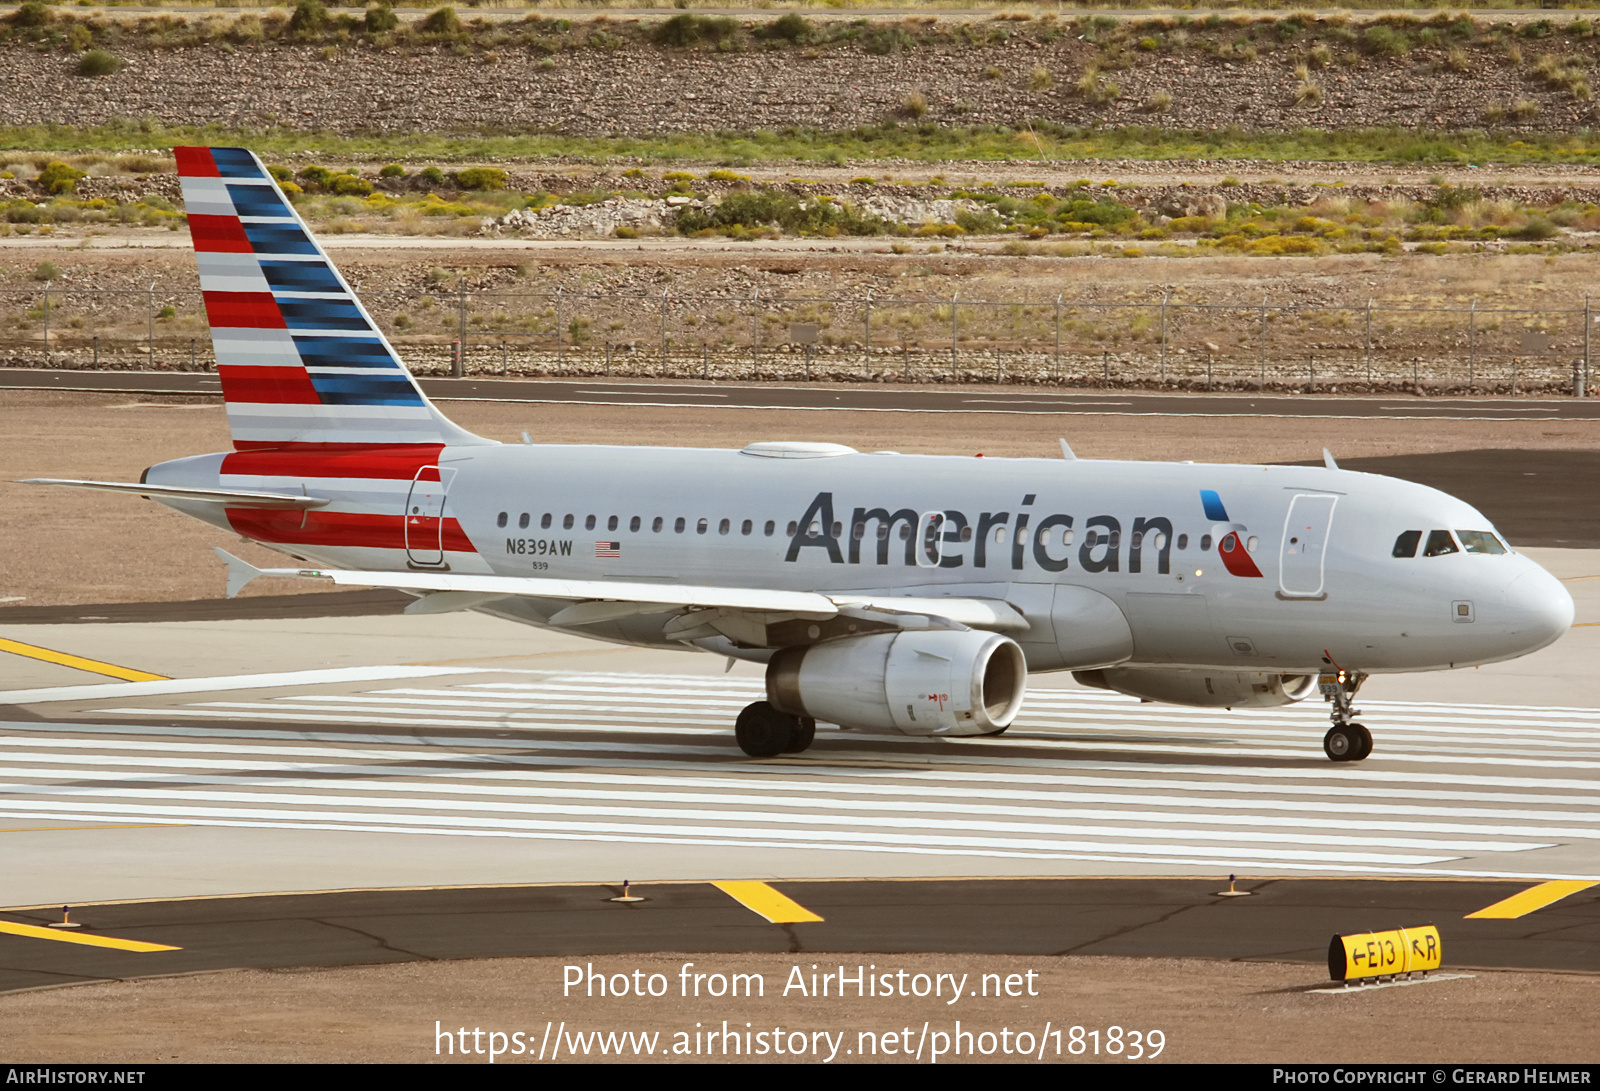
1541	607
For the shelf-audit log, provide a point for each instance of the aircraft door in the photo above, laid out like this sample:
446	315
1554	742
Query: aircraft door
1305	543
424	517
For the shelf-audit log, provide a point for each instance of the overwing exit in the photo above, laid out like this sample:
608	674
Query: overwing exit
882	592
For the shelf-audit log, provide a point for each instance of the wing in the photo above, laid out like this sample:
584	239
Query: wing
741	613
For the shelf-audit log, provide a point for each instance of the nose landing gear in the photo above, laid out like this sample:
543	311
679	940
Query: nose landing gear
764	732
1345	740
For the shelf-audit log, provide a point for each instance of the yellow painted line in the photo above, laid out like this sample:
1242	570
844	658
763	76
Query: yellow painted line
33	651
764	901
1535	897
33	931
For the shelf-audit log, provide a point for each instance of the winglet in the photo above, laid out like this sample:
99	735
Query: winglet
1327	459
240	572
1066	452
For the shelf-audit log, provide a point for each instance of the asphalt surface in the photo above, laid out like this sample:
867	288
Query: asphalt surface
961	399
1282	920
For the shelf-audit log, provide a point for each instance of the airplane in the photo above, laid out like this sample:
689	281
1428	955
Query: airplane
883	592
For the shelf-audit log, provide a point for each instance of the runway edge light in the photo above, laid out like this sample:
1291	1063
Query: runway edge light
1384	954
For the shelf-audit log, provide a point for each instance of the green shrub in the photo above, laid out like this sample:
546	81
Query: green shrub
350	185
792	27
1382	41
280	173
97	62
482	178
1537	227
58	178
392	170
380	19
682	31
46	271
442	21
32	14
316	178
432	175
309	17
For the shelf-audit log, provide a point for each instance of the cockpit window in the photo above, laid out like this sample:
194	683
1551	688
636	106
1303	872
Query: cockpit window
1439	543
1406	544
1480	541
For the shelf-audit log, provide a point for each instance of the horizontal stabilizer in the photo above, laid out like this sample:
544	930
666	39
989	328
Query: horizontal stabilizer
230	497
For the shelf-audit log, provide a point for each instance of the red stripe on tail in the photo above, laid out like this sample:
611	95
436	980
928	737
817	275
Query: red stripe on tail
243	310
196	163
218	234
267	385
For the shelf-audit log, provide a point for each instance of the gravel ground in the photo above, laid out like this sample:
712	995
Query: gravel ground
1206	1011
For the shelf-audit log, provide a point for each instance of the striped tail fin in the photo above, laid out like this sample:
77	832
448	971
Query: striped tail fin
302	363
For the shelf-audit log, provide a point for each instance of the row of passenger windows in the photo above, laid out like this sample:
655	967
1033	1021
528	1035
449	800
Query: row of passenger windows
1441	542
1093	539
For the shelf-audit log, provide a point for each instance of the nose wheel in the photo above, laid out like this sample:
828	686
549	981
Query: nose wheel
1345	740
764	732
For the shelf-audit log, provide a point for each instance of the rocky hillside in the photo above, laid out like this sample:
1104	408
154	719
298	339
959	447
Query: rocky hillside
606	77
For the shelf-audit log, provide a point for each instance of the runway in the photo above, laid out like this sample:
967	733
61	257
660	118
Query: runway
875	398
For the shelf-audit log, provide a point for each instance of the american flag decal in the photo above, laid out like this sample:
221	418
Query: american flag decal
608	549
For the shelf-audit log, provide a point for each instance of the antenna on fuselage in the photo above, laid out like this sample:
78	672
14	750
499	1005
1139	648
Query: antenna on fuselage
1066	452
1327	459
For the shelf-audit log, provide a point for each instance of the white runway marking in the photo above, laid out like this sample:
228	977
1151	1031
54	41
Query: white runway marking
1082	778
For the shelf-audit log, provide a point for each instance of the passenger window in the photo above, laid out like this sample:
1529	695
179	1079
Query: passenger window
633	524
523	520
1183	541
1205	542
611	523
1480	541
700	527
838	530
723	527
966	534
588	524
793	526
544	522
1406	544
655	527
858	531
746	527
501	521
566	523
1439	543
678	524
771	526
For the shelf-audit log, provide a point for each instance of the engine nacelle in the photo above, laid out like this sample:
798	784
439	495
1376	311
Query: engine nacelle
921	682
1204	688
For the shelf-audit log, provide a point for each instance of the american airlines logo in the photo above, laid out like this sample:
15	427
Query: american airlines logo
1005	539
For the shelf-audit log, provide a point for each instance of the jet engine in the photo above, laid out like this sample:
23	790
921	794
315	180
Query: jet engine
920	682
1204	688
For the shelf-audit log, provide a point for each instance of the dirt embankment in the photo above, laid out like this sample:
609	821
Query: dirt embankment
1243	74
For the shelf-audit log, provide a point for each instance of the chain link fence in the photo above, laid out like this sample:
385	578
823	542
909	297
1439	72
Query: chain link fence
1161	343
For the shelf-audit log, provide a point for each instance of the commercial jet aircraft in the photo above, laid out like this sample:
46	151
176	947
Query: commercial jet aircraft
883	592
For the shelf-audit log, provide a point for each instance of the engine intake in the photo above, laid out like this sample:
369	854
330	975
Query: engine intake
939	682
1204	688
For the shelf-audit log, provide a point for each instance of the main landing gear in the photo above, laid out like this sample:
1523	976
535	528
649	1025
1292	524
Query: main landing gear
764	732
1345	741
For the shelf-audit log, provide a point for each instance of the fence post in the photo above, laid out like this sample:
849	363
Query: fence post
1588	322
1368	351
560	356
1262	383
608	357
705	361
1163	337
905	360
47	323
1311	374
505	358
1209	358
1057	371
1472	344
866	341
664	292
954	302
150	330
97	351
193	363
755	335
1513	376
458	367
1105	369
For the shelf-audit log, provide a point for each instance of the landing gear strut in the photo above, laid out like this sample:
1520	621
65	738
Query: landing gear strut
1345	740
764	732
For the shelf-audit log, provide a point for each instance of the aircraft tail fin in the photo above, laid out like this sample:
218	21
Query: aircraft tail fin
302	363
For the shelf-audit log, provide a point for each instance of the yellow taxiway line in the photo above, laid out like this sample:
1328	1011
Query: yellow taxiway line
1535	897
78	662
764	901
61	935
